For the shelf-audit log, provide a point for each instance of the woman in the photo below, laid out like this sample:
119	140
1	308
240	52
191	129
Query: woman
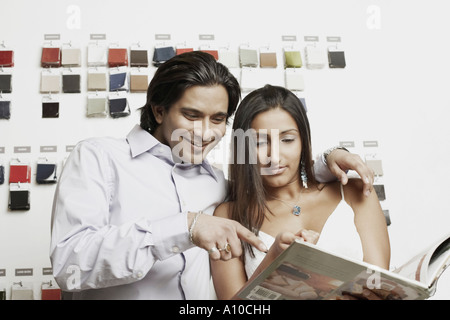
273	192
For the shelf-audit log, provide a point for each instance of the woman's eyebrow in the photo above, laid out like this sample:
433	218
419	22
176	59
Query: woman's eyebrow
289	130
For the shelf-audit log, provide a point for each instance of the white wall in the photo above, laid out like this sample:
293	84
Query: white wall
394	90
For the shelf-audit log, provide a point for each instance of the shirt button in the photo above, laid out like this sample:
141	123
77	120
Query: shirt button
175	249
139	274
161	150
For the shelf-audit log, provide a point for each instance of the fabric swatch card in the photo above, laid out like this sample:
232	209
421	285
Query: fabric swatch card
96	105
97	79
315	57
118	105
253	78
51	57
387	217
375	165
267	58
229	58
118	79
181	50
5	82
139	80
117	57
138	57
379	189
292	58
6	58
50	81
336	58
50	292
303	100
19	196
97	55
5	109
50	108
294	80
71	57
19	171
162	54
22	292
46	171
71	81
248	57
2	174
212	51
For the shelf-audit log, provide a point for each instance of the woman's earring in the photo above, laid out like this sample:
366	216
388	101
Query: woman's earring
304	176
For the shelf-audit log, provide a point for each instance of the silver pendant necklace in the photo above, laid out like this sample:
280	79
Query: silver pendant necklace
296	209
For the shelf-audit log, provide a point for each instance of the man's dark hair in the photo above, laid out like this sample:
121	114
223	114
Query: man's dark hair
184	71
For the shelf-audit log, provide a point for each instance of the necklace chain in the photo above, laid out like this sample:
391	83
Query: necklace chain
296	209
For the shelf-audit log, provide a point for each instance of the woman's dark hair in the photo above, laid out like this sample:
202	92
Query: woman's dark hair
246	191
183	71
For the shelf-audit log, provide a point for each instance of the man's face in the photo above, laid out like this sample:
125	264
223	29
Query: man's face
195	123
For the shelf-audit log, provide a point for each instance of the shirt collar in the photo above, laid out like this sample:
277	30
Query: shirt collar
141	141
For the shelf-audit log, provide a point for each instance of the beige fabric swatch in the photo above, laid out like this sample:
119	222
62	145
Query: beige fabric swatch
268	59
138	83
71	57
97	81
96	107
50	82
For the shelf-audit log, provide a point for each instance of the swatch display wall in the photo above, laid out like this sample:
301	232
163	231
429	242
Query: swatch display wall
109	76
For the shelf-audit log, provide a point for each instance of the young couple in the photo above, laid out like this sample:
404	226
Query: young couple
136	218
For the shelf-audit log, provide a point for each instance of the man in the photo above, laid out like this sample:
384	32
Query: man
127	217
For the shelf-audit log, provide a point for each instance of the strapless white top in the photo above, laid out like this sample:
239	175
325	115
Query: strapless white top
339	235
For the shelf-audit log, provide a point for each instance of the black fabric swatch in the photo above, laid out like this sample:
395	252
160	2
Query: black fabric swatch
379	189
336	59
71	83
5	111
118	108
5	83
139	58
50	109
19	200
2	174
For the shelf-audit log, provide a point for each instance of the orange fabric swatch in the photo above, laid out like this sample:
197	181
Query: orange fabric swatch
214	53
117	57
51	57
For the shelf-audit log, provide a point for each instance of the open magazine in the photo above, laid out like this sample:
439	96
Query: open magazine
305	271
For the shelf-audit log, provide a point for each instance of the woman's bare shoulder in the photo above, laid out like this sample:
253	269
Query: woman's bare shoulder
223	210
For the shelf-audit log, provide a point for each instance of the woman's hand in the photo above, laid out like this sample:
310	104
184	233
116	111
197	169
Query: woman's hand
284	239
310	236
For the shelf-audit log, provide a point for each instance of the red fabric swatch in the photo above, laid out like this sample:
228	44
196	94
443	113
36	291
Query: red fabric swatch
51	57
51	294
117	57
183	50
6	58
214	53
20	173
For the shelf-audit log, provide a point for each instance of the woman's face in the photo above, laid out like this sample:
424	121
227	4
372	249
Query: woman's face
278	147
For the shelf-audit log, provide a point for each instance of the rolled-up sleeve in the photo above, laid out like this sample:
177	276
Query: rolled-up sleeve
87	250
321	171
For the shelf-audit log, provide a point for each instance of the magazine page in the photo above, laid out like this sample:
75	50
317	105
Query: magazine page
439	261
415	268
306	272
427	266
